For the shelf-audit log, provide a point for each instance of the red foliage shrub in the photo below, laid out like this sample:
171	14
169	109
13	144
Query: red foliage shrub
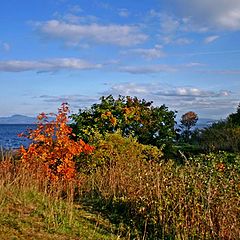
52	148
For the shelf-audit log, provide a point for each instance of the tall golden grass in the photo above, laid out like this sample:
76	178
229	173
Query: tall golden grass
197	200
149	197
19	178
32	207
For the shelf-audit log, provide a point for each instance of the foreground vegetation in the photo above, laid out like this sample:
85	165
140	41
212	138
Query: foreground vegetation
126	183
165	200
31	208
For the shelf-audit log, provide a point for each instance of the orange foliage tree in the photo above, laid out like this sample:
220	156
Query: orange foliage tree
188	120
52	147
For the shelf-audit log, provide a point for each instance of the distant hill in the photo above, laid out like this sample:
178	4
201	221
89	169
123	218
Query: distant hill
205	121
17	119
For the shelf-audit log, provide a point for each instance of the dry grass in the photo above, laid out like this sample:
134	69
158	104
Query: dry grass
147	198
164	200
33	208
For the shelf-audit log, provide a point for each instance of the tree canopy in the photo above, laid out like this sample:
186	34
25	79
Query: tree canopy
234	118
138	118
188	120
223	135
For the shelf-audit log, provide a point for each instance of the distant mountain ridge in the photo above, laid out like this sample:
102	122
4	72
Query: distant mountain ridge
201	123
18	119
206	121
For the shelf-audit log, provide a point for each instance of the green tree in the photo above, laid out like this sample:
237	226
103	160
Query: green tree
133	117
188	120
223	135
234	118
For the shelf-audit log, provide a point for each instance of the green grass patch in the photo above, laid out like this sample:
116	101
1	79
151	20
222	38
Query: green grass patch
28	214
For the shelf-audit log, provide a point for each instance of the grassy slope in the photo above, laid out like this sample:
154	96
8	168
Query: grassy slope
31	215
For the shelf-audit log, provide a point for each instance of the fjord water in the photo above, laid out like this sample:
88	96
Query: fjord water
9	135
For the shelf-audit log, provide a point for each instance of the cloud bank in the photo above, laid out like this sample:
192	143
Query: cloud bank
121	35
211	14
181	98
48	65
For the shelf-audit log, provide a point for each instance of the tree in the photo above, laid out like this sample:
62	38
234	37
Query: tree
188	120
223	135
133	117
52	151
234	118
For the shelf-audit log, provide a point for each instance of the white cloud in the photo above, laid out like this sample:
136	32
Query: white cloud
169	27
158	68
168	23
122	35
221	14
211	53
199	16
75	9
193	64
72	98
222	71
210	39
48	65
193	92
180	98
147	69
165	90
182	41
123	12
103	5
5	46
176	41
147	53
75	101
75	19
129	89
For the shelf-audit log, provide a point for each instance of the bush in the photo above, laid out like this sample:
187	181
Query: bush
113	148
52	151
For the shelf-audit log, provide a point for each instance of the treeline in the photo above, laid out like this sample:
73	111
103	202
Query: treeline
156	126
223	135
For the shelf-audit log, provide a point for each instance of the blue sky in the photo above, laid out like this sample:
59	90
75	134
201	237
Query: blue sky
184	54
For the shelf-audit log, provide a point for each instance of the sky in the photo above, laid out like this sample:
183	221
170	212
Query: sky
184	54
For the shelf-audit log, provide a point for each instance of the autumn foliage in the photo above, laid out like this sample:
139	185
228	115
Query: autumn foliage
52	148
151	125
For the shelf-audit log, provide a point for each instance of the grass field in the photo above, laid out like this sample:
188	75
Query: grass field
30	211
127	196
